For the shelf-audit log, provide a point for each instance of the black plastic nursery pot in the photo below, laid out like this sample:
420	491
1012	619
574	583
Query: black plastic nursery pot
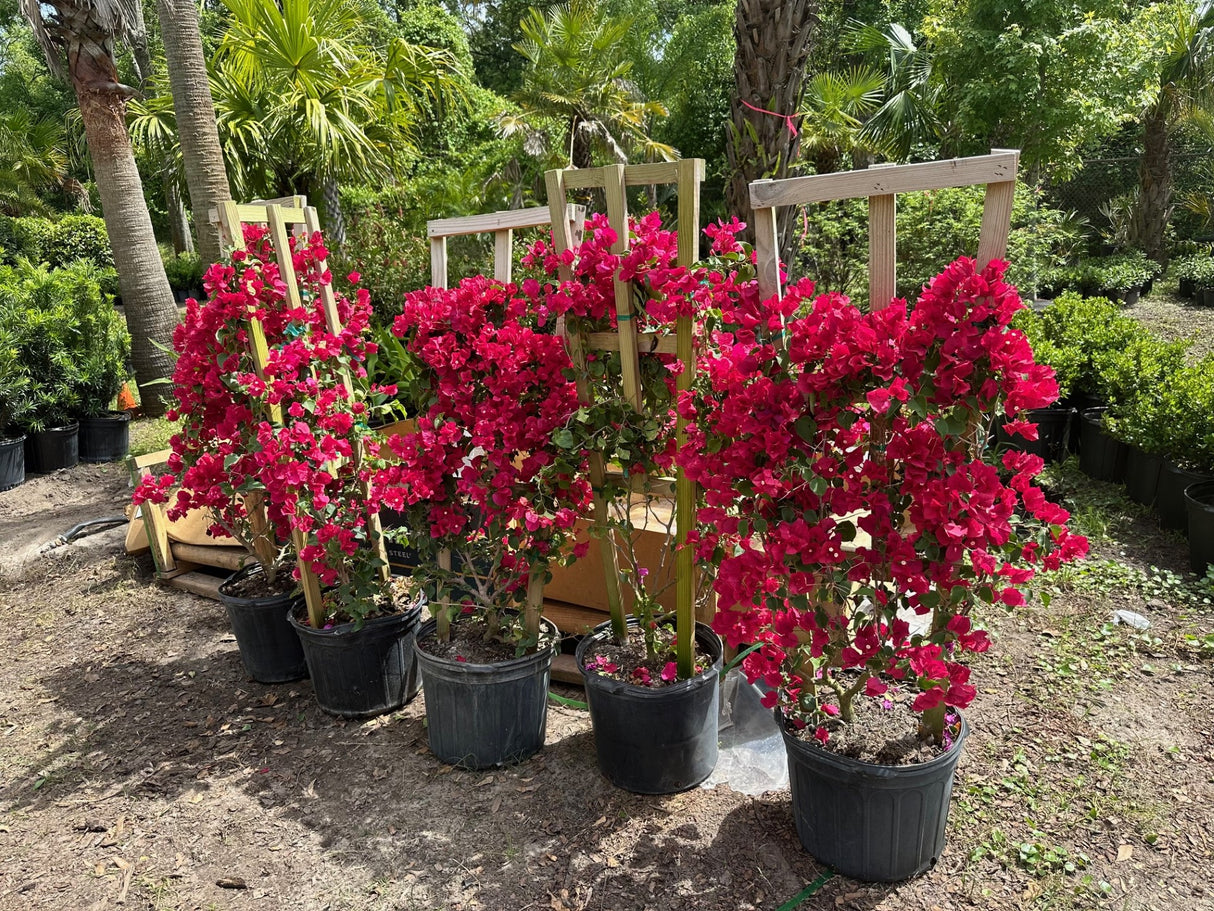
480	716
1052	425
1170	498
1142	475
269	649
871	822
105	437
12	463
51	449
359	673
1199	500
1101	456
654	740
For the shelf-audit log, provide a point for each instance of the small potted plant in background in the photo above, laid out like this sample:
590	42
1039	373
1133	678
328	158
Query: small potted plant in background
490	500
103	353
1138	378
217	459
860	534
655	724
14	399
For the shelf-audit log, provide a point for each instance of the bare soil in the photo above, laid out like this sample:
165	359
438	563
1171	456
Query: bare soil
141	768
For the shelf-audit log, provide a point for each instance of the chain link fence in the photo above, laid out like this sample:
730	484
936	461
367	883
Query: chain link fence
1106	185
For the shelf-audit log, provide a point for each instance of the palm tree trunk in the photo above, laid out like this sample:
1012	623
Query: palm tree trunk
335	218
179	225
773	44
205	174
1154	209
147	298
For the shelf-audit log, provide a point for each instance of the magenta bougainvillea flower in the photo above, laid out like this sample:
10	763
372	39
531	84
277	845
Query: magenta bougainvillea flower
848	488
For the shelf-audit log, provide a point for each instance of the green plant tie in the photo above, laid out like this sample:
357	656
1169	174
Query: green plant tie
571	703
795	901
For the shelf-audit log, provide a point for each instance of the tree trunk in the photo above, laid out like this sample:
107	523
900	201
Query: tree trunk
205	174
179	225
773	44
335	218
138	41
1154	209
146	296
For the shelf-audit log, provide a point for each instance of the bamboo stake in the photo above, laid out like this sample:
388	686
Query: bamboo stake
562	240
690	173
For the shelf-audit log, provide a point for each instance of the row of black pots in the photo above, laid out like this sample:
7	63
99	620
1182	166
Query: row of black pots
105	438
1202	296
1183	500
868	821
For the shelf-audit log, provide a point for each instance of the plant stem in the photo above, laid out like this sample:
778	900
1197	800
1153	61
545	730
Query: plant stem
535	603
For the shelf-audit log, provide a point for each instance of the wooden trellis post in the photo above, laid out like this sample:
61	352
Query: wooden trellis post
614	180
285	217
879	185
501	225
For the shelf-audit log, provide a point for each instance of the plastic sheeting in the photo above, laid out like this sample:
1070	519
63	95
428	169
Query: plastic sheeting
751	758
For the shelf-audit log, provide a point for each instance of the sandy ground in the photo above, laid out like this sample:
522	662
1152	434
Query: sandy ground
141	768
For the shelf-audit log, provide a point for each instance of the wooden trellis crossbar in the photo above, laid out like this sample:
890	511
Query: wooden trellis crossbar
686	176
501	225
285	217
879	185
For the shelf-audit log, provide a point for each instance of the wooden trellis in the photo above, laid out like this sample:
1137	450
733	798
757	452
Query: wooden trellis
686	176
501	225
284	217
880	185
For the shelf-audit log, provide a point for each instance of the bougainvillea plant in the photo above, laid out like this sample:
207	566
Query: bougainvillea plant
638	442
214	464
848	494
483	483
288	438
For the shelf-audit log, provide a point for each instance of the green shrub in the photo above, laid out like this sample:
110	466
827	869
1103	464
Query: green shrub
56	243
185	272
1182	423
933	228
1197	268
70	342
1076	335
14	386
79	237
1137	379
27	238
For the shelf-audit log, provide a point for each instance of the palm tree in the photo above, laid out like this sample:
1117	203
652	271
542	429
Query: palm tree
576	73
33	157
303	103
833	112
909	98
78	37
1185	84
773	43
194	110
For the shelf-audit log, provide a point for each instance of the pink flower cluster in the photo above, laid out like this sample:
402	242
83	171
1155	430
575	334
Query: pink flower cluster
842	458
303	466
482	464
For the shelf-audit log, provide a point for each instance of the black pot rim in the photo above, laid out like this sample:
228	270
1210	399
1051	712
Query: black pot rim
1094	415
13	441
850	764
347	629
639	691
428	629
63	428
108	417
1200	494
1169	465
249	569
